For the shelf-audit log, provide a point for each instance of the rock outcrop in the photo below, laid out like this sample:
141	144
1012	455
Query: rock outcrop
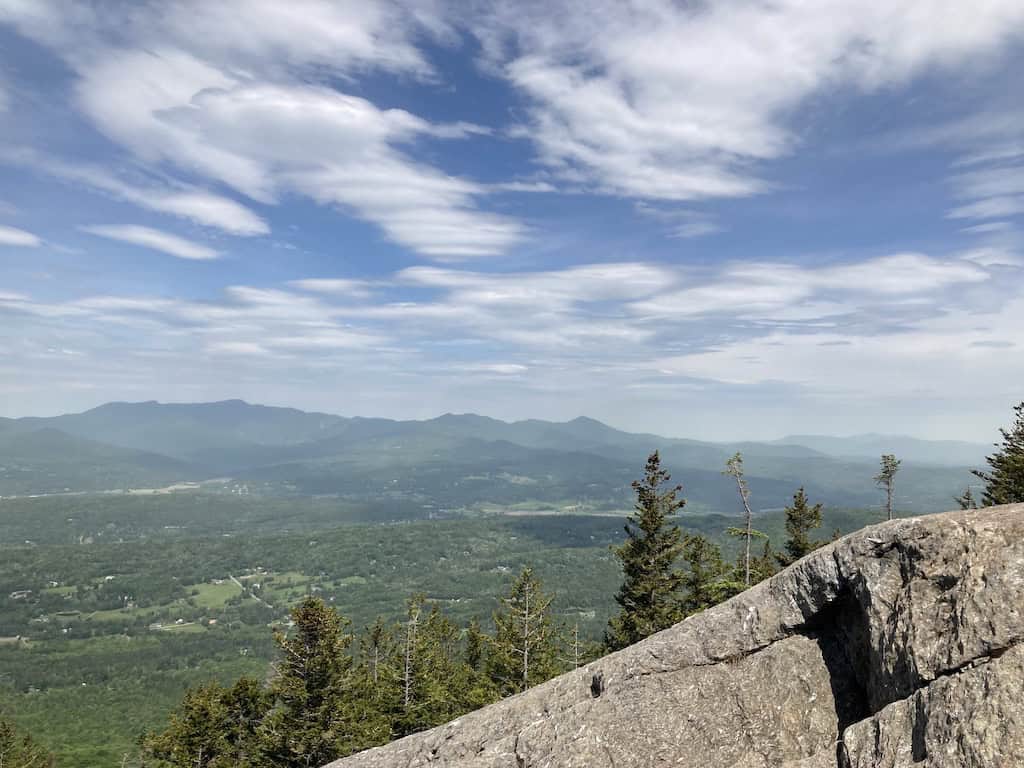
899	645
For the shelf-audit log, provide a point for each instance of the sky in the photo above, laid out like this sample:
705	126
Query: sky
738	219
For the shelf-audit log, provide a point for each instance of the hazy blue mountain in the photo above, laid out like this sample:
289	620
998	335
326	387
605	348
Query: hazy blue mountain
454	460
222	434
946	452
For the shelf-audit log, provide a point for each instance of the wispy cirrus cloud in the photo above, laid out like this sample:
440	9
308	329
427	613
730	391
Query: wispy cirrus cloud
633	98
18	237
185	201
153	239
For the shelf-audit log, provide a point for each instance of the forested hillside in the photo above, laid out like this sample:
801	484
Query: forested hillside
449	464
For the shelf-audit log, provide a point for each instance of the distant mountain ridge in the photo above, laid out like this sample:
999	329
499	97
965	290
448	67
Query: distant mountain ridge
453	460
872	445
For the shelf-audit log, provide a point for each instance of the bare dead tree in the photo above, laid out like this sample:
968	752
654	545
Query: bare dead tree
734	469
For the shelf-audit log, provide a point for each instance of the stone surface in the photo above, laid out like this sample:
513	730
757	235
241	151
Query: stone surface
895	646
973	719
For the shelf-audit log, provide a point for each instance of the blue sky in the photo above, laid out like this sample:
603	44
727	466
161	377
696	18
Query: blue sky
734	219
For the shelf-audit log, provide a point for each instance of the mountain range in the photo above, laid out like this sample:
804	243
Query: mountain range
452	461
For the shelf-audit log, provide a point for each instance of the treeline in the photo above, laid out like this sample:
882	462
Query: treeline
333	692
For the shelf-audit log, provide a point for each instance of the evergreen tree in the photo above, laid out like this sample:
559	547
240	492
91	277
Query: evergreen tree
1004	480
378	654
18	750
213	727
525	648
410	649
764	566
374	692
886	480
801	519
309	725
649	596
966	499
474	686
476	645
707	580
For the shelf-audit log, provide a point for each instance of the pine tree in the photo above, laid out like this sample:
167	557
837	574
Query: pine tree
649	596
374	692
476	645
764	566
377	650
707	580
525	648
801	519
438	670
18	750
213	727
886	480
309	725
734	469
474	687
1004	480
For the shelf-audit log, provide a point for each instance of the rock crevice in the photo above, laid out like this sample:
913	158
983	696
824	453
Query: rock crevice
897	646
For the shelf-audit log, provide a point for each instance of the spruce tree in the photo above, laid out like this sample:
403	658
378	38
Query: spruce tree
764	566
434	674
801	519
649	597
309	725
473	685
707	580
1004	480
374	693
525	648
476	645
213	727
886	480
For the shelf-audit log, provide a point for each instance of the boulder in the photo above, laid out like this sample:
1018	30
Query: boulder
899	645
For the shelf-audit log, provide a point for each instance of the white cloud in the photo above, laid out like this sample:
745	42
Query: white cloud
18	237
989	227
267	139
185	201
753	289
634	97
341	34
229	93
154	239
995	191
333	286
938	356
680	222
896	329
